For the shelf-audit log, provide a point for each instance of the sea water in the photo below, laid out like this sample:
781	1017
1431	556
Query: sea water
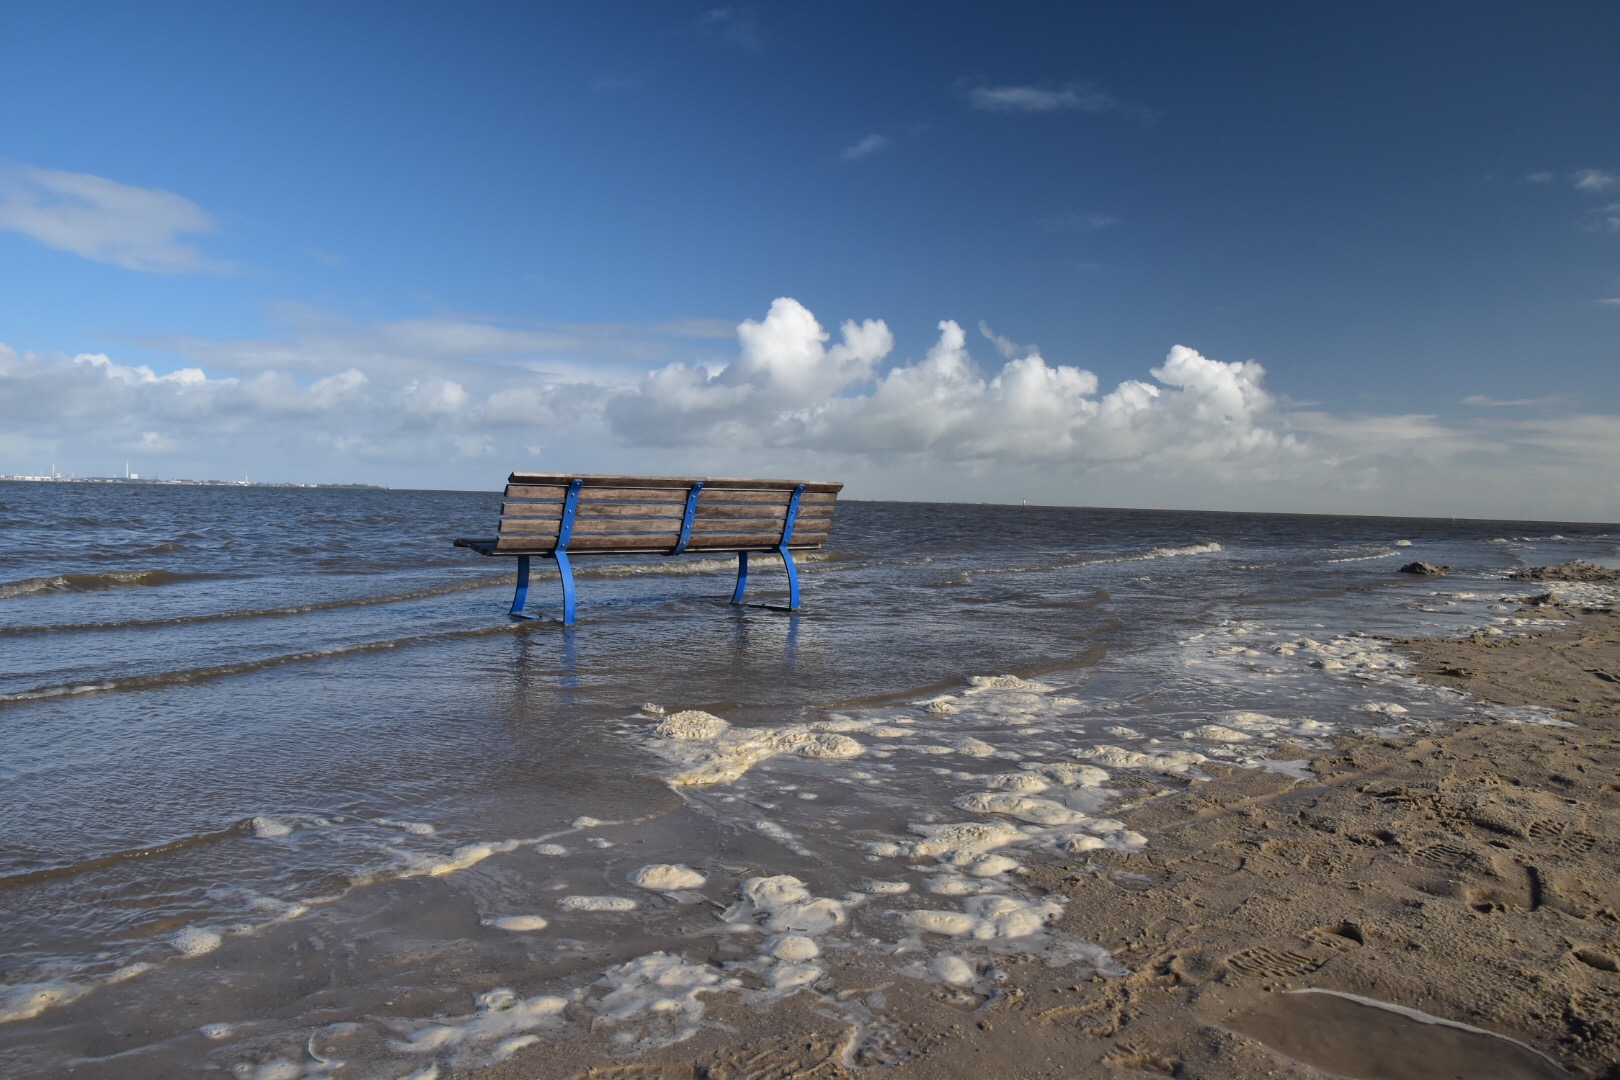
281	784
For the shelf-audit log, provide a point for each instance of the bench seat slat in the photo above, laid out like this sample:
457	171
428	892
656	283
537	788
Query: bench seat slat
730	541
554	512
602	482
548	526
664	496
607	545
661	525
659	540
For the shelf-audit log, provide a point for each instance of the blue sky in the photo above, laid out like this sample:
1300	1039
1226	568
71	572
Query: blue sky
1262	256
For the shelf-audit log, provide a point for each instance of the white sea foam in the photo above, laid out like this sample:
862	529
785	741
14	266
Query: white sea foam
1070	775
1026	783
269	828
990	866
1022	807
662	986
972	747
952	970
782	904
501	1014
953	883
667	877
597	903
986	917
1216	733
415	828
961	842
981	683
690	724
707	750
1182	763
28	1000
794	948
517	924
195	941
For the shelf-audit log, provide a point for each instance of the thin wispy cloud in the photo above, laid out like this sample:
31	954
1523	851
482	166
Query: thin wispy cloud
736	26
1481	401
1607	218
1070	97
106	221
1076	221
467	348
866	147
1612	301
1007	347
1595	180
1543	177
1038	99
614	79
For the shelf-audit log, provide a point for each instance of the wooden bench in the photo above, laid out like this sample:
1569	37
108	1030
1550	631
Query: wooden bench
561	515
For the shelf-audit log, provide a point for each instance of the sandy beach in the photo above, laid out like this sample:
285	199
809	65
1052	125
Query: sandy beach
1464	874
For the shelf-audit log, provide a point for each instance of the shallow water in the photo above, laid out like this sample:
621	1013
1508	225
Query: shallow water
237	721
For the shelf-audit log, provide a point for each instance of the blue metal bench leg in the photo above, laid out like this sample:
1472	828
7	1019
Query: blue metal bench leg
793	579
742	577
522	587
567	573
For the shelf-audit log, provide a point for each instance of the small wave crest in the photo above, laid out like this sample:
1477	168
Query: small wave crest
245	827
1207	547
113	579
964	577
246	667
484	582
1364	558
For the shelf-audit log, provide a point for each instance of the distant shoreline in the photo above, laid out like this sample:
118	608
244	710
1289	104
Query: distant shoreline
142	481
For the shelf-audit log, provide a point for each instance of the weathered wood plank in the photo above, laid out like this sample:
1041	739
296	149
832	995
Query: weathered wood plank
760	513
634	544
602	481
722	528
732	541
599	496
734	520
553	496
664	535
774	498
673	512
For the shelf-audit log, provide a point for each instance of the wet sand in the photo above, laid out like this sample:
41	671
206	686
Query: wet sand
1469	874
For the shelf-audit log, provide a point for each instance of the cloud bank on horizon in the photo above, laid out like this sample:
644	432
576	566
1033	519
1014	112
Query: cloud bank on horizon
457	402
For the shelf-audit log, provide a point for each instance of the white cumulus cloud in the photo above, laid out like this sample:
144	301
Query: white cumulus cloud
784	366
788	389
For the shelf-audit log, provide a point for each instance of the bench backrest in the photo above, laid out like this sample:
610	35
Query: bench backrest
646	514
